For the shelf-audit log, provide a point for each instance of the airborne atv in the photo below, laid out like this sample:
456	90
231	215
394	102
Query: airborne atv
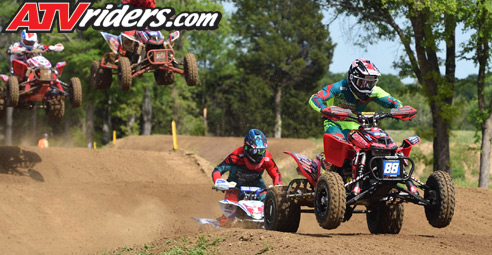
35	83
147	51
368	170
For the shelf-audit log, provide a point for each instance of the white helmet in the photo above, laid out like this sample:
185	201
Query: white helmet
28	39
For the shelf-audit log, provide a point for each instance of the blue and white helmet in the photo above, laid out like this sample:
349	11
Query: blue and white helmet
28	39
255	145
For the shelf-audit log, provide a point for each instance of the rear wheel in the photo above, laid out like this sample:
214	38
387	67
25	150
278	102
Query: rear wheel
441	195
2	107
164	77
280	213
56	110
12	91
101	78
124	73
385	218
329	200
76	95
190	69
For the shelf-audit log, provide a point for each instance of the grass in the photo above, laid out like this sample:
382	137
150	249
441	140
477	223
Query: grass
203	244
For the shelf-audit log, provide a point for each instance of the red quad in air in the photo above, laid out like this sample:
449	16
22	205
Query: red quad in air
146	51
35	83
367	170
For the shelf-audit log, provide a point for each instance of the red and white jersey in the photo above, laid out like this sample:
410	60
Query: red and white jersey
14	53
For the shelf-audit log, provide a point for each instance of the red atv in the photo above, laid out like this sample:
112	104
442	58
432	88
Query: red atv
147	51
368	170
36	81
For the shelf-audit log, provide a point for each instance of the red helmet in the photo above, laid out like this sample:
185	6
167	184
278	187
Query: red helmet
363	76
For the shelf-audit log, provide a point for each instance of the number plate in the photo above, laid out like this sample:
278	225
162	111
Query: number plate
160	56
391	168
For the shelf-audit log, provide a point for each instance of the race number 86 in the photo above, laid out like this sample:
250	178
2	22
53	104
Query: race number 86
391	168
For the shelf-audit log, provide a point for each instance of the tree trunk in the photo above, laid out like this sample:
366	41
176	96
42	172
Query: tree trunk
483	180
89	122
429	69
441	140
278	112
8	128
205	123
130	122
106	126
483	56
147	113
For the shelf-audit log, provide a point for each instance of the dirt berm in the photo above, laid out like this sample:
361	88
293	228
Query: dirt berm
84	201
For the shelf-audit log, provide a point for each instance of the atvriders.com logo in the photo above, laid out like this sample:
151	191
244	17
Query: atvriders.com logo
40	16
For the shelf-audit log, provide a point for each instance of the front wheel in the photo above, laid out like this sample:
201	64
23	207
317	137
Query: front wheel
329	200
190	69
12	91
281	214
385	218
76	89
124	73
441	194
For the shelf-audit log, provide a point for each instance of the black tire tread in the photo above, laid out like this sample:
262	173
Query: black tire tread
337	200
190	69
101	78
76	88
124	73
440	216
13	91
164	77
288	214
56	110
389	219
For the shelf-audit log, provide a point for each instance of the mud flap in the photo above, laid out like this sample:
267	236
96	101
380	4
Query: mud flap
308	167
204	221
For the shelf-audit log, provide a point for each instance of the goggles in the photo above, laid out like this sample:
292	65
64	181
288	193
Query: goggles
28	43
366	83
255	151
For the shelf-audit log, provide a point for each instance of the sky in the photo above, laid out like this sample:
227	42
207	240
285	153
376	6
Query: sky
382	54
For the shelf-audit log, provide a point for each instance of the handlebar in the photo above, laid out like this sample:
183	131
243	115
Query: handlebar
336	113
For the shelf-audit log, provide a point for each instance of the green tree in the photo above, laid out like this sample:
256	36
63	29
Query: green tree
479	19
280	44
421	25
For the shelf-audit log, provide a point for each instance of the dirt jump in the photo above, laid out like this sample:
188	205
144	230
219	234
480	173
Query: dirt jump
141	191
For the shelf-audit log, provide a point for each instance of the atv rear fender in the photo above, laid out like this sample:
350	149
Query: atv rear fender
59	67
19	67
336	149
407	145
307	167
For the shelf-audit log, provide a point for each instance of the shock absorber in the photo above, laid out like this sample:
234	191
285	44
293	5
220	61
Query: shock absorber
360	168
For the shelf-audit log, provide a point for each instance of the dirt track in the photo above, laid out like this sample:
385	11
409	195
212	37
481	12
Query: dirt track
81	201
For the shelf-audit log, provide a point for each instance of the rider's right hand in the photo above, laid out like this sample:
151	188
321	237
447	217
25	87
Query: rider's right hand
221	184
17	50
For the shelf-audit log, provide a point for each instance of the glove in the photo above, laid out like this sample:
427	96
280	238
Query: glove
17	50
221	184
58	47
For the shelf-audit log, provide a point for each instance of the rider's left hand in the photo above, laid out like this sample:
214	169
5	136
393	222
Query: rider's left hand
58	47
221	184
